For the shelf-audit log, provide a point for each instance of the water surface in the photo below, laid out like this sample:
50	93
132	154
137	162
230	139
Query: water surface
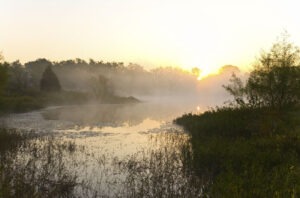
110	135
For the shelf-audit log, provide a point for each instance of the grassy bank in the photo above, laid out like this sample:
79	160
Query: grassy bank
45	166
245	152
37	100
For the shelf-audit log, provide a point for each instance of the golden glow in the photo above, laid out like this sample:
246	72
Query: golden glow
205	73
202	33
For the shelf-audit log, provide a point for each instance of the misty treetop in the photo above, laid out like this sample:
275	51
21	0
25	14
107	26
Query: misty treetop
80	75
49	81
81	81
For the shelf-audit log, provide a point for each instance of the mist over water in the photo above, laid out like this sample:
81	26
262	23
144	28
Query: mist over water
149	99
107	132
170	95
112	133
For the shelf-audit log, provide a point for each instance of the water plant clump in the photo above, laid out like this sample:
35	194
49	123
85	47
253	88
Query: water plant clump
47	166
32	166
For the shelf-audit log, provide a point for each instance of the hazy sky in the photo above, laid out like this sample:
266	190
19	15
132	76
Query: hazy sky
187	33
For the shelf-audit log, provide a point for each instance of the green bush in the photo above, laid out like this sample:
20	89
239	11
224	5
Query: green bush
246	152
275	80
19	104
235	122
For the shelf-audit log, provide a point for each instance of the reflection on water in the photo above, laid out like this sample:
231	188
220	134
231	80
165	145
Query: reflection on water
118	127
57	167
115	114
145	125
101	119
116	144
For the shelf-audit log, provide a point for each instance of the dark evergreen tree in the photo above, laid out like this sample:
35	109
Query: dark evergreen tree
49	81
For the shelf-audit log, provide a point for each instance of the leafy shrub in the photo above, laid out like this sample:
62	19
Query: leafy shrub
246	152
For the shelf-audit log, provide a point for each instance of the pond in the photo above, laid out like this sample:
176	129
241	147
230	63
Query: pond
107	150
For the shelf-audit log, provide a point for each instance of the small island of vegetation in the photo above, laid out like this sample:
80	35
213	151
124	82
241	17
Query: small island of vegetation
42	83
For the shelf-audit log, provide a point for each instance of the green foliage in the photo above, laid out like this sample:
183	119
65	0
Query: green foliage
31	166
18	104
246	152
237	90
231	122
276	88
101	87
49	81
99	80
3	77
18	79
36	69
63	98
275	81
258	168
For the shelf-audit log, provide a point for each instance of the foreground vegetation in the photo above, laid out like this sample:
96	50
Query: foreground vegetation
251	148
246	152
32	166
45	166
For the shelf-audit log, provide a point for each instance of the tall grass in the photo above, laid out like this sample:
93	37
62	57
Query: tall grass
32	166
246	152
35	166
163	171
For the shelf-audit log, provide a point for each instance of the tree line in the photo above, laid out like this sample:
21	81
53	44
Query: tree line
91	76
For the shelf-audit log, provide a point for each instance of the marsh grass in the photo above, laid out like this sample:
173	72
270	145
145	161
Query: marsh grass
163	170
47	166
32	166
160	169
246	152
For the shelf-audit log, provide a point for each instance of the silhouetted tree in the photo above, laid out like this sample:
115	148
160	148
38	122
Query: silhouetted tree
49	81
36	69
101	87
275	81
18	81
3	77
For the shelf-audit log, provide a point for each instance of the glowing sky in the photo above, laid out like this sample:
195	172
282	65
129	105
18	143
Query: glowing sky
187	33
